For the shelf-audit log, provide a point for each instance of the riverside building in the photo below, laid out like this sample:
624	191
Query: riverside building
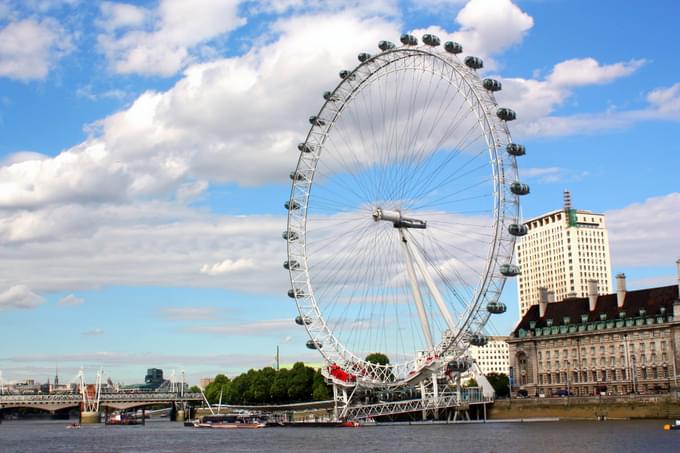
561	251
627	342
493	356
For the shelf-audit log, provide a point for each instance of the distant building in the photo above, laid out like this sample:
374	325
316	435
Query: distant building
561	251
492	357
204	382
614	343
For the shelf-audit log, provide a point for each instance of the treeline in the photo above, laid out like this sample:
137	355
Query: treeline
269	386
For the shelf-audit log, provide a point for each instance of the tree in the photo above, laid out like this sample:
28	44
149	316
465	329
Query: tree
194	389
260	387
221	383
300	383
499	382
320	390
279	388
471	383
378	358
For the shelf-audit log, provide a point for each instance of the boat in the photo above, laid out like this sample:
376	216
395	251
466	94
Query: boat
123	420
668	426
73	426
230	421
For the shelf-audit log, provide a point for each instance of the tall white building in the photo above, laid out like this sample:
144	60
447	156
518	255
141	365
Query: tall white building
492	357
561	251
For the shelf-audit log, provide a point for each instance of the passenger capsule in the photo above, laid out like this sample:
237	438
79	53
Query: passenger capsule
478	340
492	84
515	149
506	114
304	148
510	270
474	62
316	121
496	308
431	40
330	97
518	229
290	235
363	56
291	206
302	320
291	265
295	293
519	189
346	74
453	47
386	45
296	176
311	344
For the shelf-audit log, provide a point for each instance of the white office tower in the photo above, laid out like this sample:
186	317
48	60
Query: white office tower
561	251
492	357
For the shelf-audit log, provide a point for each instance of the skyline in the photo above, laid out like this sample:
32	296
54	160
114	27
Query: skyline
144	160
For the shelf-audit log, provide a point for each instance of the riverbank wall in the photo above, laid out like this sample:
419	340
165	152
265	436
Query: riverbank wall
589	408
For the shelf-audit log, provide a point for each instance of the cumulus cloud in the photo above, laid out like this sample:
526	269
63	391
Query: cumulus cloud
588	71
138	40
645	234
19	296
228	266
29	48
71	300
141	243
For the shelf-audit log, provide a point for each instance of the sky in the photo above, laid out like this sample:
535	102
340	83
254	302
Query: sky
145	150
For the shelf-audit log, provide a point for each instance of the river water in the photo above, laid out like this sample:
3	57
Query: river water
163	436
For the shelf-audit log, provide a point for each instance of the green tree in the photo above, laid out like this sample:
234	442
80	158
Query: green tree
221	383
260	386
279	388
320	390
194	389
239	391
471	383
499	382
300	382
378	358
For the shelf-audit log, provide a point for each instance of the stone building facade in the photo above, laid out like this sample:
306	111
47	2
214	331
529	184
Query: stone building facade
614	343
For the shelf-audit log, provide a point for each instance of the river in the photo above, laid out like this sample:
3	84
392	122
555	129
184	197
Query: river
163	436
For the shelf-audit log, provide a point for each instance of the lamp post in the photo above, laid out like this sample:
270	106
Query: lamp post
634	377
568	379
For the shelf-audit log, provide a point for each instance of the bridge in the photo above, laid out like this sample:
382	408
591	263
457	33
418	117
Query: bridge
115	401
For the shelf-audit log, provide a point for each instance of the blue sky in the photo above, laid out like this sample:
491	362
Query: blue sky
145	148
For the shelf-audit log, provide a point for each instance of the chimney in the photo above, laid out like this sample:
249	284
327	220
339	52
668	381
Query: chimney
551	297
620	289
678	264
592	294
542	301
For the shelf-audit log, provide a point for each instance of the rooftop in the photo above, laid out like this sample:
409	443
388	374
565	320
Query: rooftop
654	302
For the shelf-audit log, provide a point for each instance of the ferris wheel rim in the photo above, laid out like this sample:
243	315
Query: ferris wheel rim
320	332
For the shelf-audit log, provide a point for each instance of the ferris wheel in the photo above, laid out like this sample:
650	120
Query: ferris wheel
403	213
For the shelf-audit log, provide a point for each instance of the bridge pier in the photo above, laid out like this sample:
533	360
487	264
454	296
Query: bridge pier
89	417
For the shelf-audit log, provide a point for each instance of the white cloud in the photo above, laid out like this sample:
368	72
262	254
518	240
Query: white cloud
588	71
162	41
19	296
71	300
266	328
544	174
228	266
93	333
29	48
189	313
490	26
645	234
142	243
